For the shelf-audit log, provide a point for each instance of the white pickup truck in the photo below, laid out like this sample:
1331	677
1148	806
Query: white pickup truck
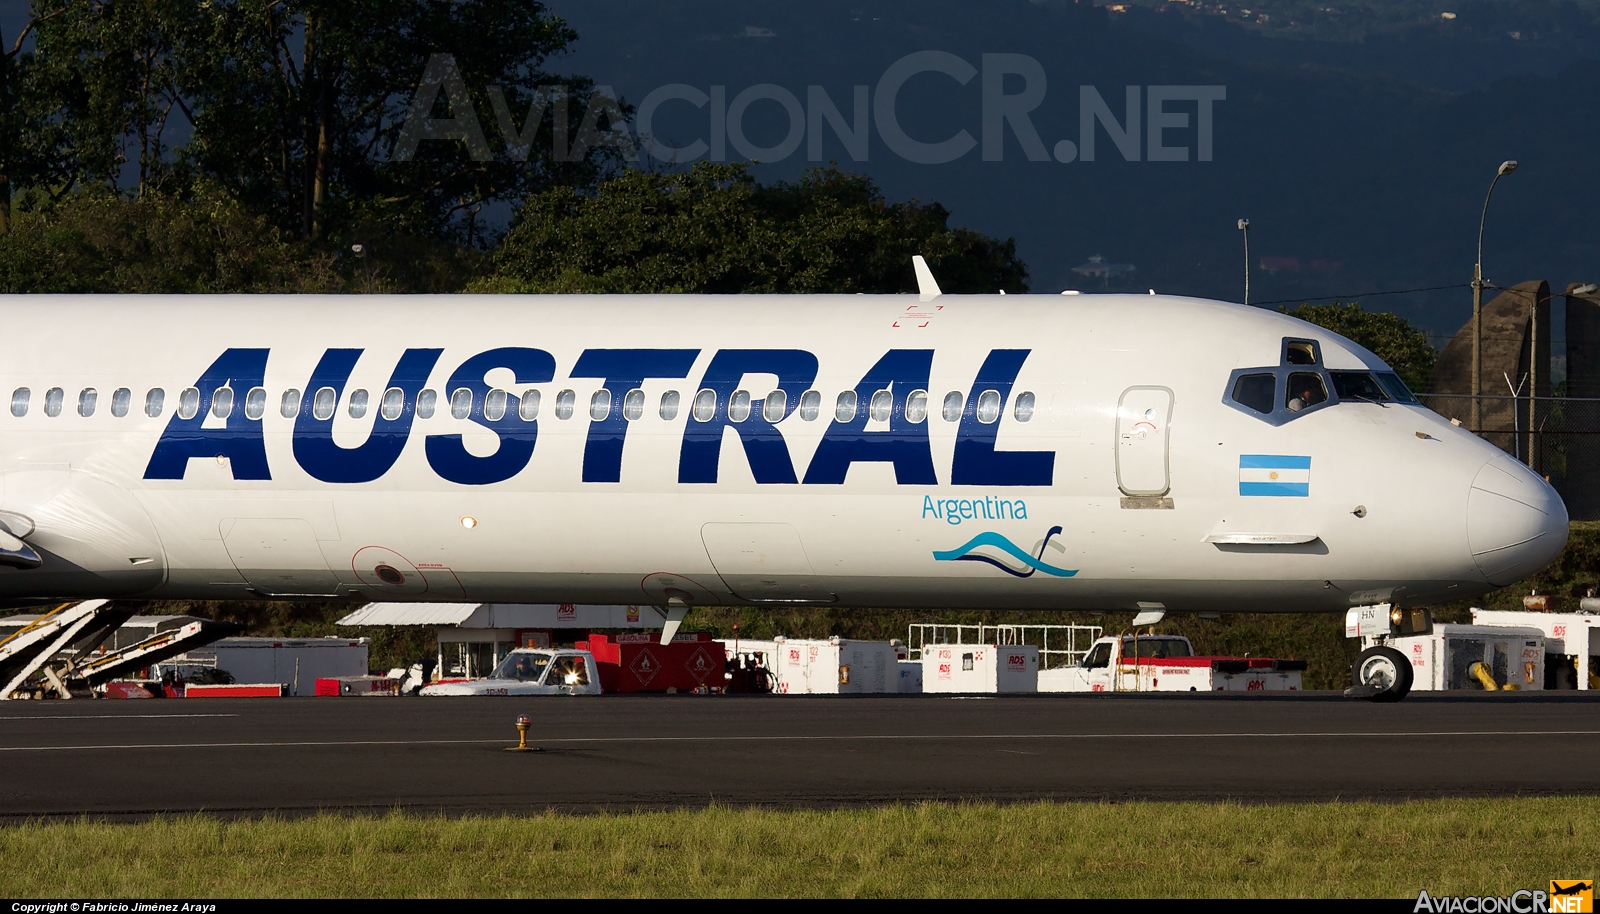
530	672
1167	663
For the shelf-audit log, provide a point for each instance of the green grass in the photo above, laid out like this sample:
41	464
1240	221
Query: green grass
932	849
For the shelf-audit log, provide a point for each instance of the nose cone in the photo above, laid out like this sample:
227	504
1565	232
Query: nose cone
1516	523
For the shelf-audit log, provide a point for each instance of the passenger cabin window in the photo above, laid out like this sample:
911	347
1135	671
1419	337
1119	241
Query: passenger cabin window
494	405
52	401
917	406
844	409
705	405
323	403
954	402
1255	391
154	401
528	405
810	405
461	403
188	403
739	406
427	403
881	405
1305	390
989	407
121	399
394	403
1396	387
669	405
358	403
288	407
774	406
87	398
633	405
600	404
19	401
1300	352
255	403
566	401
222	402
1023	409
1358	385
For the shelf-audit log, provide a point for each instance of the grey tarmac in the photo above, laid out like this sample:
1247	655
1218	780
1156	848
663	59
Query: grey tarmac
132	759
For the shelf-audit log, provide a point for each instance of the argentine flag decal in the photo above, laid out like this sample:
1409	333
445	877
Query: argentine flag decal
1271	474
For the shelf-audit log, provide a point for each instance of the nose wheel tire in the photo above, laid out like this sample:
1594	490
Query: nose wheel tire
1380	674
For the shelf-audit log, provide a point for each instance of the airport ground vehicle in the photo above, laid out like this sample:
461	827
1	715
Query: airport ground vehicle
1167	663
1571	642
1502	650
530	672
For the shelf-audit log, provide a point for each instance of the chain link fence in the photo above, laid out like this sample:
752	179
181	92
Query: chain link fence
1559	437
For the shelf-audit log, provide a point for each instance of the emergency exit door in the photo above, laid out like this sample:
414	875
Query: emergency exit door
1143	464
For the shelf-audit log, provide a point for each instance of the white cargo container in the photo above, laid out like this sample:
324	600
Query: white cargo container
295	662
1571	643
980	668
835	667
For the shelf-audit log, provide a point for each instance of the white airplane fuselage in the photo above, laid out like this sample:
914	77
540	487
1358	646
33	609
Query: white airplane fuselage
1140	477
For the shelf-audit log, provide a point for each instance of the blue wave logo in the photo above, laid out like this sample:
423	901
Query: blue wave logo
967	553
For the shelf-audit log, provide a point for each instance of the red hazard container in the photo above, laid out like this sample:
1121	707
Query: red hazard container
638	663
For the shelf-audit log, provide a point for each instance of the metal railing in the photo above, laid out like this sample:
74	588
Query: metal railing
1059	645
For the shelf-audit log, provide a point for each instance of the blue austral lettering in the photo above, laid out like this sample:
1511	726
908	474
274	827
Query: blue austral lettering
314	447
448	455
623	370
240	439
904	444
954	510
976	462
763	444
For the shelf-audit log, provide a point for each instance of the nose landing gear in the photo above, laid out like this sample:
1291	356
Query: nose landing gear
1380	674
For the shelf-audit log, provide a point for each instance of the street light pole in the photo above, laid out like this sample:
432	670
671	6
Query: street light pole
1244	226
1506	167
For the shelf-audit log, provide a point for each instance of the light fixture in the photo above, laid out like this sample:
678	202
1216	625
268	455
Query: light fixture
469	521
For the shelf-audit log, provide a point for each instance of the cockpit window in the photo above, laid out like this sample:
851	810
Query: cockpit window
523	666
1358	385
1305	390
1396	387
1255	391
1300	352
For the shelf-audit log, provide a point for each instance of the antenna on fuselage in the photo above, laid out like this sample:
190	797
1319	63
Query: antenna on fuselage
927	286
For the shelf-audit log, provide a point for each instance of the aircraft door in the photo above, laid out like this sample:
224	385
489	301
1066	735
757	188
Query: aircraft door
279	556
1143	416
763	563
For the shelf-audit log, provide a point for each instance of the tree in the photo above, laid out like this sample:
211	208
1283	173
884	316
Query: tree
1388	336
297	106
98	241
714	229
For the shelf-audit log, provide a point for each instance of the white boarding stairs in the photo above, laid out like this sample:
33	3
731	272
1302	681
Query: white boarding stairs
24	653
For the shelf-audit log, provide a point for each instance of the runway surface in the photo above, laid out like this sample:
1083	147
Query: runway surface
250	756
